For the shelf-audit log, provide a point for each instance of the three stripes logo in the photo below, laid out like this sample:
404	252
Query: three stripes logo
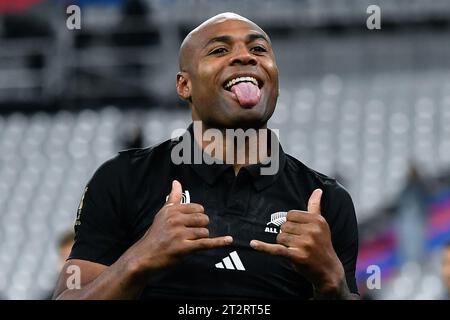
231	262
276	220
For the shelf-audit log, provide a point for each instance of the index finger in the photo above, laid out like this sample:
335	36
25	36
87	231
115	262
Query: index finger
298	216
270	248
190	208
210	243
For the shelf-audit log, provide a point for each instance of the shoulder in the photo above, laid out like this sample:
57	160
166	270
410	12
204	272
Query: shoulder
334	193
312	177
137	158
131	161
162	149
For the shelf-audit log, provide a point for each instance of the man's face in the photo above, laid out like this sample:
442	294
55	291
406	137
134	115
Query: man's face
227	50
446	268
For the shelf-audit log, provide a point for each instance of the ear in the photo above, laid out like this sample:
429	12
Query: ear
183	85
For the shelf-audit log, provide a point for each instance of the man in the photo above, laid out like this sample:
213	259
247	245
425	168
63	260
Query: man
224	236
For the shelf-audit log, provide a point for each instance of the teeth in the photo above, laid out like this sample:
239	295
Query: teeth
240	79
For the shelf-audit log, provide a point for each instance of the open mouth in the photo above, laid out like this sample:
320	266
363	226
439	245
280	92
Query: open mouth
228	84
246	90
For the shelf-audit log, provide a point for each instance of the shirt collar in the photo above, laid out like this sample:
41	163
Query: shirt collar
210	173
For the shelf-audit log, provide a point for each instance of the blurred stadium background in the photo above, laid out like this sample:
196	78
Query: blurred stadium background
371	108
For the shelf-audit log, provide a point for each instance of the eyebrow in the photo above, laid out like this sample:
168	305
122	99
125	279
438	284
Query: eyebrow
228	39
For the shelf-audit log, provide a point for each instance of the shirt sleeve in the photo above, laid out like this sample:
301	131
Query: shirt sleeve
344	230
101	226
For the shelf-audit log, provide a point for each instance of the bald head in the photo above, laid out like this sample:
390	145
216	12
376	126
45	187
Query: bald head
223	48
196	37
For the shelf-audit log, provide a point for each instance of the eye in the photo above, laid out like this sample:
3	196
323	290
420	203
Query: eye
220	50
258	49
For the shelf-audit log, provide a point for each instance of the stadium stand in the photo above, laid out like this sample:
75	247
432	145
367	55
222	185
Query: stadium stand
363	107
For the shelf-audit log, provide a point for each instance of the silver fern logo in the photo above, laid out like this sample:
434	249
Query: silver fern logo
185	199
276	220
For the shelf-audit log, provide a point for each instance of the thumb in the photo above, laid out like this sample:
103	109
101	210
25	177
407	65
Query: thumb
175	194
314	201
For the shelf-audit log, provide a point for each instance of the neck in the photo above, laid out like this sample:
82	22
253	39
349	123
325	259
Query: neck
237	147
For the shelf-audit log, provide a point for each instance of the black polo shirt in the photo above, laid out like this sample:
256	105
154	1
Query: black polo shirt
125	193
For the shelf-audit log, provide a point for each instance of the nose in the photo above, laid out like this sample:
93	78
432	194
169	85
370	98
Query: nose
243	57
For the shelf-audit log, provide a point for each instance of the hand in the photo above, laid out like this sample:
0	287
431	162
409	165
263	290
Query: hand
305	239
177	230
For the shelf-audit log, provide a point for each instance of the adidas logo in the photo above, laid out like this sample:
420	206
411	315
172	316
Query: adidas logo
276	220
231	262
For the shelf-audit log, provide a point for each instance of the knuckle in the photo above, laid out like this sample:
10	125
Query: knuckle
169	211
317	230
284	227
203	232
197	220
301	255
180	248
172	221
288	227
306	255
176	234
291	215
321	220
308	243
201	219
203	244
196	207
281	237
278	250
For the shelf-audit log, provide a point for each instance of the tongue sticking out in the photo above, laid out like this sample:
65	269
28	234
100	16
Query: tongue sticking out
247	94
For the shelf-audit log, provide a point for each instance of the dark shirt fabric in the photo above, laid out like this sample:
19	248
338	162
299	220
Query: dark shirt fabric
125	193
